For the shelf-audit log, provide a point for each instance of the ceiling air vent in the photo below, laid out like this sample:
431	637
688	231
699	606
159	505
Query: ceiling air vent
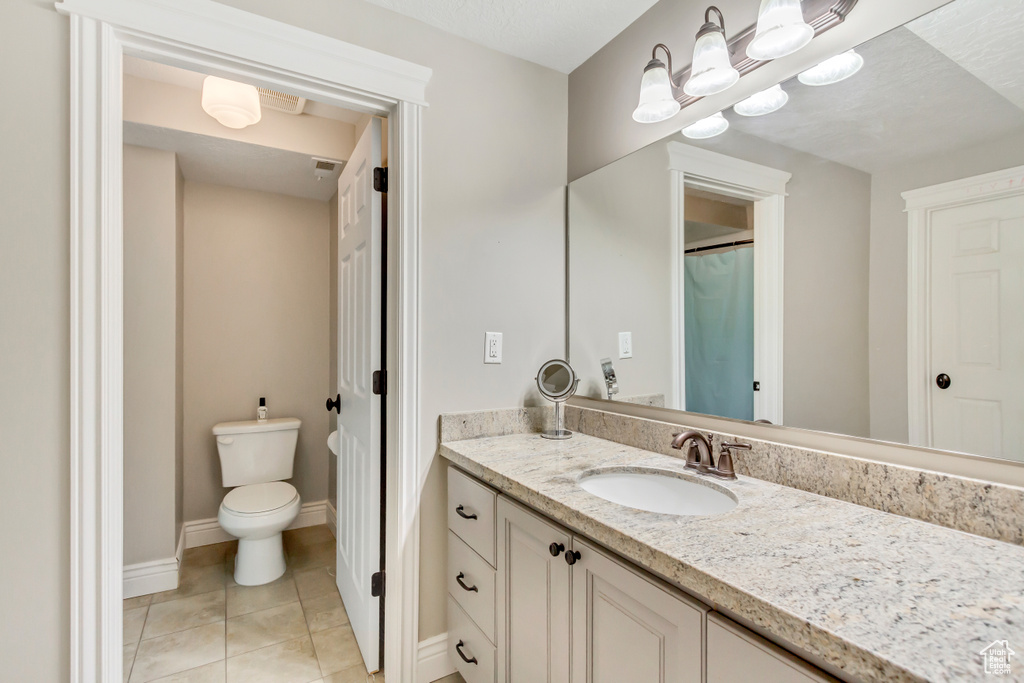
326	168
278	101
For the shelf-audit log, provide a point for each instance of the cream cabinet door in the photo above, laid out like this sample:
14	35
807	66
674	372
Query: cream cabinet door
736	655
533	598
627	627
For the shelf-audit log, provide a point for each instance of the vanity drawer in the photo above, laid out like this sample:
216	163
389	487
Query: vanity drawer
471	513
467	566
474	645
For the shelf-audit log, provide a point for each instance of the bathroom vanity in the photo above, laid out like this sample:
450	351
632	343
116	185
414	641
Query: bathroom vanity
547	582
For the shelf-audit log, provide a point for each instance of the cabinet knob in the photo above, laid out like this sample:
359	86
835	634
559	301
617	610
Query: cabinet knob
556	549
571	556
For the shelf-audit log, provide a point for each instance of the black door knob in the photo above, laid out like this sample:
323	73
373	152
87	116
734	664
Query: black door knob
571	556
334	404
943	381
556	549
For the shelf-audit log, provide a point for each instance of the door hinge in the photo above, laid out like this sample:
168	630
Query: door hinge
380	179
380	382
377	585
757	386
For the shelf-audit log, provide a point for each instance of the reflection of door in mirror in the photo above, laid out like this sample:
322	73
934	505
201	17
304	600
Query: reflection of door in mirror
718	294
970	309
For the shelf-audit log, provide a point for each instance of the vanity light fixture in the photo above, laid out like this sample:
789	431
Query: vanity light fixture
235	105
712	70
781	30
657	91
709	127
764	102
833	69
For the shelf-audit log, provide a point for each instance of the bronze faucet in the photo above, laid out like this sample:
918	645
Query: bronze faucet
703	461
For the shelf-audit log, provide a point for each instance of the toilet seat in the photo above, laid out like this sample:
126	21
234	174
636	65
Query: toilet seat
259	499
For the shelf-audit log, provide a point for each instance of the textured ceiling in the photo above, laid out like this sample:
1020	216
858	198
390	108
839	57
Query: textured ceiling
559	34
909	101
206	159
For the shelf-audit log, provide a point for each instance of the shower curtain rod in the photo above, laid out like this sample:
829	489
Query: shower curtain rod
719	246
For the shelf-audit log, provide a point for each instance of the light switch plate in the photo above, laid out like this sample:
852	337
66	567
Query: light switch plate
625	344
492	347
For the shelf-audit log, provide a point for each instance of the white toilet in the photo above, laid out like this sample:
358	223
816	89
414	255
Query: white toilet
255	457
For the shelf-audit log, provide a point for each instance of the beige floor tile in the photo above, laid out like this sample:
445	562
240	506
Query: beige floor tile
267	627
247	599
324	612
290	662
134	619
356	674
211	673
453	678
183	614
194	581
336	650
177	652
205	555
138	601
310	536
307	558
128	658
314	582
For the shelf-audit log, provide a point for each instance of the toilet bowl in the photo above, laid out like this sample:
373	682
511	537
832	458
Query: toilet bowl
256	515
255	457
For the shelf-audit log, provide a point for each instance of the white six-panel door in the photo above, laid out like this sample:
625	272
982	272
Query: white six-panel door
977	327
359	461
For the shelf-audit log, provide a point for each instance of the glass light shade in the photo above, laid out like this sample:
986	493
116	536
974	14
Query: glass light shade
716	124
235	105
656	100
712	72
833	69
764	102
781	30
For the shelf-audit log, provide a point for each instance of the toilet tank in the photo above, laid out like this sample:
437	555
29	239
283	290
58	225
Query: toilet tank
254	452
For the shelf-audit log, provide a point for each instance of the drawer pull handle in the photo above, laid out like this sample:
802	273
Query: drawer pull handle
556	549
571	556
464	586
467	660
460	513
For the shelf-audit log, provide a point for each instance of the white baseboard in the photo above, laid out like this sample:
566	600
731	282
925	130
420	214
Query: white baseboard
150	577
332	519
432	661
208	531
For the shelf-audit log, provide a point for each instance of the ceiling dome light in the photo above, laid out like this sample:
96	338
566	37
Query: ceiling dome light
764	102
833	69
712	70
235	105
657	103
716	124
781	30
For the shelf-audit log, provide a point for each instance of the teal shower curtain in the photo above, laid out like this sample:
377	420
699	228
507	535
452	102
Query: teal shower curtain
719	320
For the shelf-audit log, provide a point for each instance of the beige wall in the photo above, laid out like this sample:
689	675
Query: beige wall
152	403
626	259
888	296
256	324
494	171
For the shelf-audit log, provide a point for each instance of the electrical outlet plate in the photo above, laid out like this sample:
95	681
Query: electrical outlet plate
625	344
492	347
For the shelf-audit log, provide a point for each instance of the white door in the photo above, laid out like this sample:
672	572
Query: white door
977	327
534	598
626	628
359	461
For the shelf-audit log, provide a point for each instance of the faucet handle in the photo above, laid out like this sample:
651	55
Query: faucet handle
725	466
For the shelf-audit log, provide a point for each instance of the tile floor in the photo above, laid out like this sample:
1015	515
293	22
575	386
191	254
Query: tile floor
211	630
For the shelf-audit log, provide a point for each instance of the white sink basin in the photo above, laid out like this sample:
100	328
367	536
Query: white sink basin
657	492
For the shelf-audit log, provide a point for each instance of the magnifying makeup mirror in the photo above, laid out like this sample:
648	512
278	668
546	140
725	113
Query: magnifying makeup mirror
557	382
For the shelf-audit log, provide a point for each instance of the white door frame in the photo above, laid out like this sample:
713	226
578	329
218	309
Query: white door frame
214	38
766	187
920	205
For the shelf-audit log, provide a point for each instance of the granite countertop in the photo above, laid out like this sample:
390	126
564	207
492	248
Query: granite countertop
875	595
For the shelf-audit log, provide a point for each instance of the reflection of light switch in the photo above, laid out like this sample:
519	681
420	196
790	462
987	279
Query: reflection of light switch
492	347
625	344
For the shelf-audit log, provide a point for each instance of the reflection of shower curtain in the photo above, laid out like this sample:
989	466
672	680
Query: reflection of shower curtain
719	320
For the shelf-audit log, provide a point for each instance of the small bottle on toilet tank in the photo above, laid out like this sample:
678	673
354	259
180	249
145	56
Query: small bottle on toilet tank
261	412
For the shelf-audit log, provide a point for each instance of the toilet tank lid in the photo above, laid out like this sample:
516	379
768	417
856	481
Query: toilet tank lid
276	424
